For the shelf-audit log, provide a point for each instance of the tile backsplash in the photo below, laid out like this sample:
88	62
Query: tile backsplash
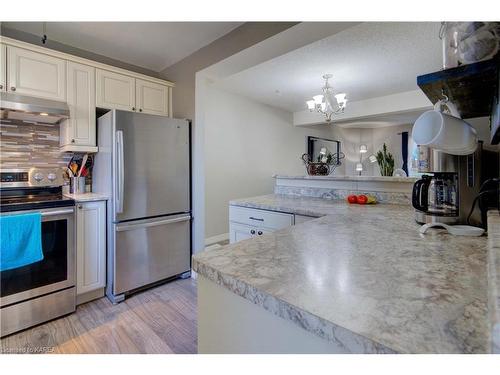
27	145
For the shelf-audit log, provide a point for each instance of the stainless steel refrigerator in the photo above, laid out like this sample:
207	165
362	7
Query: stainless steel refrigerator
143	164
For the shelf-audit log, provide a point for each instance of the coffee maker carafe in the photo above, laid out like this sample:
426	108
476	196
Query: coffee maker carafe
435	198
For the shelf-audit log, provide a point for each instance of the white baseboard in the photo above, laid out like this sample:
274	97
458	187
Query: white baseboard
215	239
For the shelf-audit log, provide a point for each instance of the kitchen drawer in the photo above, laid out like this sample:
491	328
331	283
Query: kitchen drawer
260	218
150	250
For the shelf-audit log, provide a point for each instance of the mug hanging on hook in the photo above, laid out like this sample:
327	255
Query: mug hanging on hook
445	131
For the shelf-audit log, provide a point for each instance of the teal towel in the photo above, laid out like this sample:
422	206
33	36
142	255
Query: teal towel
20	240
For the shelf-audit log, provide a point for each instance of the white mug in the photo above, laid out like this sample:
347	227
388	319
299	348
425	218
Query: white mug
445	132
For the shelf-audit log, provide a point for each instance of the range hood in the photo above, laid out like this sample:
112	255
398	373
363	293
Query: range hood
31	109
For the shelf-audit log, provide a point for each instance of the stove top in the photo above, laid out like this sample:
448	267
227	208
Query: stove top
23	199
32	189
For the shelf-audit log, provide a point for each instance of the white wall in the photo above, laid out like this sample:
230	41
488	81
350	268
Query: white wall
245	144
373	138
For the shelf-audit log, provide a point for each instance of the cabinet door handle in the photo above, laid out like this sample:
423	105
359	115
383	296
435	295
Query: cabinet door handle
133	108
80	206
72	141
140	109
259	233
1	87
252	231
12	88
255	218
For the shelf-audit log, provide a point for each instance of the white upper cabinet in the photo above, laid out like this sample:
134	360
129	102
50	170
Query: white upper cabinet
119	91
84	84
36	74
151	97
115	91
78	133
3	67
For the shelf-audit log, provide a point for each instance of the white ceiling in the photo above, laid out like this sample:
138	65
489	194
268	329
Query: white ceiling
151	45
367	61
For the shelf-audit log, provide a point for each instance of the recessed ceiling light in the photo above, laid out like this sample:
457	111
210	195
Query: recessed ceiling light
43	114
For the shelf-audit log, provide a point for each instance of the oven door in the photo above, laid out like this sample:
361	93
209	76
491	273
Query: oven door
57	269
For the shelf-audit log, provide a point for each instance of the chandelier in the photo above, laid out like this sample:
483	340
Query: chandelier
328	104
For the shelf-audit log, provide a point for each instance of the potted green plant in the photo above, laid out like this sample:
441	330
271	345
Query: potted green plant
385	161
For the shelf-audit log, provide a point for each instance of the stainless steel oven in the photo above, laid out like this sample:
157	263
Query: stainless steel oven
43	290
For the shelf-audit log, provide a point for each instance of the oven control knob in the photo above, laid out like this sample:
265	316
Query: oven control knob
52	176
38	177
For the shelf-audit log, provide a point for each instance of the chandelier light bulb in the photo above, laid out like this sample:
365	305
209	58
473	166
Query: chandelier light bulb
310	105
318	99
341	98
363	149
359	167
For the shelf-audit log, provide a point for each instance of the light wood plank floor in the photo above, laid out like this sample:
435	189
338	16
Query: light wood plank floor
159	320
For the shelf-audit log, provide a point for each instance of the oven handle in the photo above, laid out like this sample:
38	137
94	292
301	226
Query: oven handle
59	212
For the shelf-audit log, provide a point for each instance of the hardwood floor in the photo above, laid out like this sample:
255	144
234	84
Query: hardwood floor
159	320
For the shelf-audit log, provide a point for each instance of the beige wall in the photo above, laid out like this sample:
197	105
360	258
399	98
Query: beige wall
183	73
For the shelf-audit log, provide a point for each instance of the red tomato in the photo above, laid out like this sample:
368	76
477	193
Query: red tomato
352	199
362	199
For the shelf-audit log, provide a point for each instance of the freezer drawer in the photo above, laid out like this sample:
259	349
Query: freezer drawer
150	250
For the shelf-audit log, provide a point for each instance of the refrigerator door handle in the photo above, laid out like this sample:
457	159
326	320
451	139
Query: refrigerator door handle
120	171
151	223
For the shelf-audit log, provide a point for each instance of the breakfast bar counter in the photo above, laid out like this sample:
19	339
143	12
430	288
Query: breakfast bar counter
358	279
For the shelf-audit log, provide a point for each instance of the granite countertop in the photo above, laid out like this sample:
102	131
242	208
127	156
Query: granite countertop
87	197
362	276
494	277
349	178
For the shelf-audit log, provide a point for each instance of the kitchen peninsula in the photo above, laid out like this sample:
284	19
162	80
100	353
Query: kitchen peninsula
358	279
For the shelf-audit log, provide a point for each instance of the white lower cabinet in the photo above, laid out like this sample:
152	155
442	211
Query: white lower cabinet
250	222
90	250
239	232
246	222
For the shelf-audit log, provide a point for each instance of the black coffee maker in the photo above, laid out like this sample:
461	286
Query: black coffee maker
450	185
